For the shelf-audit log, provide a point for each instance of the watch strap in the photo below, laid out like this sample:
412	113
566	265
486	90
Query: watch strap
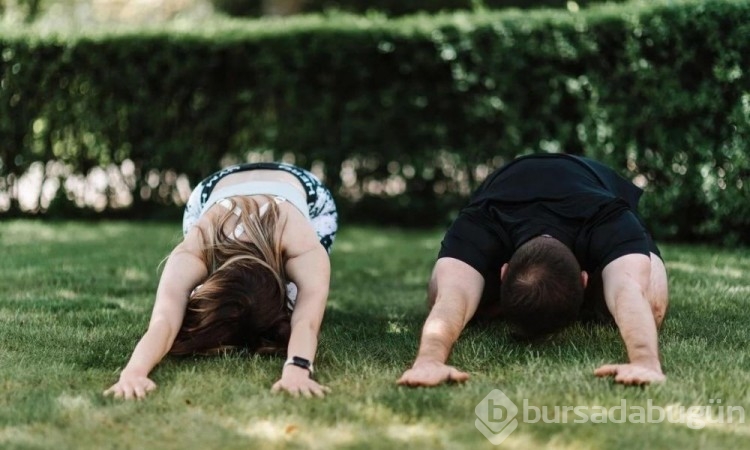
301	363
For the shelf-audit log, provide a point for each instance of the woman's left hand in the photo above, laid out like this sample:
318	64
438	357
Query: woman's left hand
297	381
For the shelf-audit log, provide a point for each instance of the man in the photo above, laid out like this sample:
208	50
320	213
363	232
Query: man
523	250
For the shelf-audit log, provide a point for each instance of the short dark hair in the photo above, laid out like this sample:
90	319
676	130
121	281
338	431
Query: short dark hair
542	290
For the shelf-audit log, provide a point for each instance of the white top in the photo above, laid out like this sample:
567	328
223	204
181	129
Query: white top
278	189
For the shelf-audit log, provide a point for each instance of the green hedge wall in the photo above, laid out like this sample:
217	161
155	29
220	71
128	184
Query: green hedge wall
428	103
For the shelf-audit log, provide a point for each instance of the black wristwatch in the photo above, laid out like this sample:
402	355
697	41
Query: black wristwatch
300	362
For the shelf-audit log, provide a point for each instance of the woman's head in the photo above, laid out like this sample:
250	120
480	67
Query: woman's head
542	287
241	304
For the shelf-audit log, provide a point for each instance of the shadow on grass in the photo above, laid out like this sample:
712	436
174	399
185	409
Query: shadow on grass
391	342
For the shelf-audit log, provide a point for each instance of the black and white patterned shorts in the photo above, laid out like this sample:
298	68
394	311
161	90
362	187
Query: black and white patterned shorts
323	215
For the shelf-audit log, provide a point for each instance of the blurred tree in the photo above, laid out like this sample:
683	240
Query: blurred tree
26	10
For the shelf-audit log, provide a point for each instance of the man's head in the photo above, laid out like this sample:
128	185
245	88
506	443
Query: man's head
542	287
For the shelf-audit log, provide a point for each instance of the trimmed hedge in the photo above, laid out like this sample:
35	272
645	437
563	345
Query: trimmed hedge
430	103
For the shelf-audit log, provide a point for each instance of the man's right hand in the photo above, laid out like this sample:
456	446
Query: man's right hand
431	373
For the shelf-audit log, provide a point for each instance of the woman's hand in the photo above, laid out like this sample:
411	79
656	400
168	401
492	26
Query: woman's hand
296	380
131	387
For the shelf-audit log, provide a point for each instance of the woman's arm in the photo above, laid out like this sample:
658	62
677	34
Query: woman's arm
310	271
309	268
182	272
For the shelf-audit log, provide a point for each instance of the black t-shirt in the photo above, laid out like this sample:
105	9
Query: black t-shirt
582	203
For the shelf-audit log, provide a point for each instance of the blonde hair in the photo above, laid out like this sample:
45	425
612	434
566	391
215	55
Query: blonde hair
242	302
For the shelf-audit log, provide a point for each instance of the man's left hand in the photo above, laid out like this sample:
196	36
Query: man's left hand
431	373
631	374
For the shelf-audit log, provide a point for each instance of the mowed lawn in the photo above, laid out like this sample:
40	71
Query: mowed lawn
75	297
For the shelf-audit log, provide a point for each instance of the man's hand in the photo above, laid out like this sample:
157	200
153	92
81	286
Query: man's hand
431	373
131	387
631	374
297	381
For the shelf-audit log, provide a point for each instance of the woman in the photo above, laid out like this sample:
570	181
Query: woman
252	272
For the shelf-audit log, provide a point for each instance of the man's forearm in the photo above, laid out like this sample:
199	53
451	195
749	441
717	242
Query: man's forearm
440	332
637	328
456	289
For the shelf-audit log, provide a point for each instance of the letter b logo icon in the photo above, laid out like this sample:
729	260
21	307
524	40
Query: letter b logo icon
496	416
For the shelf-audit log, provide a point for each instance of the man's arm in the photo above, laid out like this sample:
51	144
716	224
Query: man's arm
626	288
457	289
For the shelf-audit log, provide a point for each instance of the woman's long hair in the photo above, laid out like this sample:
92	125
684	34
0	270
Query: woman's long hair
241	304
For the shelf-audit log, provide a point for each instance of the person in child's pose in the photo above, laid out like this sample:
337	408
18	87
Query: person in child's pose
524	249
252	272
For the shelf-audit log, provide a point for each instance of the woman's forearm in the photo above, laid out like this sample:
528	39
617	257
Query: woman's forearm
150	350
303	341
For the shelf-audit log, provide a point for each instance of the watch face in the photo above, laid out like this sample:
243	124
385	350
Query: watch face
302	363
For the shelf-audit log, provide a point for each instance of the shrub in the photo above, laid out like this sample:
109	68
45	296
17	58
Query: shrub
430	103
245	8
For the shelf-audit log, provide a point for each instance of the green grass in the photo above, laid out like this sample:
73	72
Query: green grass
74	299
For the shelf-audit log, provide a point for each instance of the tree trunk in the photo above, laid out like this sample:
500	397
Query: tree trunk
282	7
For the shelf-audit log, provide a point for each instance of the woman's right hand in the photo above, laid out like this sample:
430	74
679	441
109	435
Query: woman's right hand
131	387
